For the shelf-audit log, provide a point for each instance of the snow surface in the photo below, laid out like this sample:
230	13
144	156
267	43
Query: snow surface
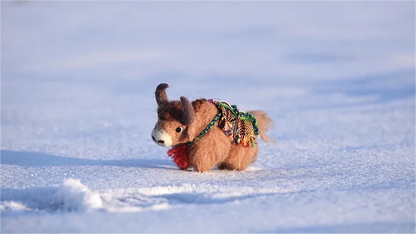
77	110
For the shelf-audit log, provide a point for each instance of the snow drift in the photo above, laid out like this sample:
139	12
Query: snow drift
73	195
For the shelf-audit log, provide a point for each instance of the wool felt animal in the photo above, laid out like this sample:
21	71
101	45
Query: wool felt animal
208	133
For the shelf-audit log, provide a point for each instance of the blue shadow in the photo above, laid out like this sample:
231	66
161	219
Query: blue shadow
36	159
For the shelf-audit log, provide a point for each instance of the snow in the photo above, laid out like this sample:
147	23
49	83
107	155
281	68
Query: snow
77	110
73	195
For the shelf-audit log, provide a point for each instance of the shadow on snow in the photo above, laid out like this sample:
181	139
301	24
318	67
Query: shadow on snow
37	159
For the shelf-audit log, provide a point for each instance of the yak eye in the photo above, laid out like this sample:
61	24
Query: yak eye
178	129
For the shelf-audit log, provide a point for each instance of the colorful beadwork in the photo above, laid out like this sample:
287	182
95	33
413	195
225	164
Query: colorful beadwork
206	130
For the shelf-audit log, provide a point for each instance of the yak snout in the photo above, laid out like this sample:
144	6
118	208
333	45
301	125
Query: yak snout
161	137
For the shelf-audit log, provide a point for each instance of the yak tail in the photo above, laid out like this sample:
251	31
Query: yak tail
264	123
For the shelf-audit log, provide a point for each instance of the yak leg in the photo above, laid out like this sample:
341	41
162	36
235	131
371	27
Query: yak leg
209	151
240	157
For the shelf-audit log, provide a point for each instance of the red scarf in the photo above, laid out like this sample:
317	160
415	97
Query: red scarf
179	154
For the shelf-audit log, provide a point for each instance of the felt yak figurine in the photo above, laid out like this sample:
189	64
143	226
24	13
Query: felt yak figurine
208	133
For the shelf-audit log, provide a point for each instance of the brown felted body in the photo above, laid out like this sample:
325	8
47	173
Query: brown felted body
214	148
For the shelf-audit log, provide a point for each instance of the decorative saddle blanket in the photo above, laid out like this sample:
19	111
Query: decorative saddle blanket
240	126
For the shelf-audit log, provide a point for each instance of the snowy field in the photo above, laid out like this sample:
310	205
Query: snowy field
77	110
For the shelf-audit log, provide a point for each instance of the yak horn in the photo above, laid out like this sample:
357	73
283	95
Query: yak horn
161	93
188	112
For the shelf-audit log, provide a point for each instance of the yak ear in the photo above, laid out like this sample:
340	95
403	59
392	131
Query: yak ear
160	93
188	116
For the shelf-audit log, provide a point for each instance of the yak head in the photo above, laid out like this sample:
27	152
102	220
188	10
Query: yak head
174	119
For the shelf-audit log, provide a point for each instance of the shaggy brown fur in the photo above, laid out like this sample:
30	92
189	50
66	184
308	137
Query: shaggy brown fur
214	149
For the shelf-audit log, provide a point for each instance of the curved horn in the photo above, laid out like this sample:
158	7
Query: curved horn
188	112
160	93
